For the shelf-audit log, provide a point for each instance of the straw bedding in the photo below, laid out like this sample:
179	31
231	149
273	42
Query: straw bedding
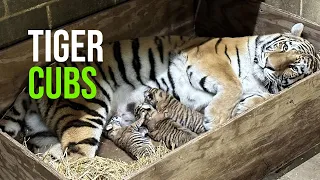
102	168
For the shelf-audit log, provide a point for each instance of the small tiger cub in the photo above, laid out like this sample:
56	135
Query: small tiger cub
164	102
132	139
163	128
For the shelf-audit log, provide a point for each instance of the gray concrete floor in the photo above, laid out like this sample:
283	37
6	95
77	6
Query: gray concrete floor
305	167
309	170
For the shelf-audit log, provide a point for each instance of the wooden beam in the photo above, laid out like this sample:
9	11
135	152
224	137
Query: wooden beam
252	145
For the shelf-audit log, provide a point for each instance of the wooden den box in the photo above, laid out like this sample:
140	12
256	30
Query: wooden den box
248	147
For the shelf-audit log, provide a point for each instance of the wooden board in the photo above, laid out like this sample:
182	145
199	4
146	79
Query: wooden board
134	18
252	145
16	162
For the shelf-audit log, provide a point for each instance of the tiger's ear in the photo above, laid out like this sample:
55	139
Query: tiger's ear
297	29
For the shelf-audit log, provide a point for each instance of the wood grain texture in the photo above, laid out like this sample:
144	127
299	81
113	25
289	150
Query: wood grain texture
134	18
16	162
252	145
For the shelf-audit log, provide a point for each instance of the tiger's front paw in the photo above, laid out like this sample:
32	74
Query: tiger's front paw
54	152
214	119
240	108
10	127
249	103
208	123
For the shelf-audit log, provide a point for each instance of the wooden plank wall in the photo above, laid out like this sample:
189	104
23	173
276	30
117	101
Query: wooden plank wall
132	19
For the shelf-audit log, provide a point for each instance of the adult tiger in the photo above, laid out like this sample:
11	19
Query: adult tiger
212	73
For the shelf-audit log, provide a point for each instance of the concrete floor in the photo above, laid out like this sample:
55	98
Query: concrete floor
309	170
305	167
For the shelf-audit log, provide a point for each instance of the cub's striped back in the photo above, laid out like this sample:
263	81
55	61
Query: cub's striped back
166	103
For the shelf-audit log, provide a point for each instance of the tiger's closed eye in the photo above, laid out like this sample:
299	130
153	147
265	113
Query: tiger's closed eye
150	96
285	47
293	67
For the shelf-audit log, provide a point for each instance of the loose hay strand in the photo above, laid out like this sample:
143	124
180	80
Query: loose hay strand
102	168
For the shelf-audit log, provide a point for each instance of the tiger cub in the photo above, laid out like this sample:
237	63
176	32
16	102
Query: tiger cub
132	139
166	103
163	128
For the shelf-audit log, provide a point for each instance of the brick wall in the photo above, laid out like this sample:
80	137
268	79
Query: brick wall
309	9
17	16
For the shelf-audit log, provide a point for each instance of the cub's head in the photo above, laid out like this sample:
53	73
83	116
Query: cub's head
155	97
283	59
114	129
143	110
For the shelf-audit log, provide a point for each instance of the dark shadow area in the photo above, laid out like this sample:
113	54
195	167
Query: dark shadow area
232	18
294	163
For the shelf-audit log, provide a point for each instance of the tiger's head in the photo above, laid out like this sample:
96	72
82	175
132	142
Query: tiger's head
155	97
142	110
114	129
283	59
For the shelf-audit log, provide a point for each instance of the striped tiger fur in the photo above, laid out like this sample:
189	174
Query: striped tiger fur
37	135
210	73
163	128
163	102
132	139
